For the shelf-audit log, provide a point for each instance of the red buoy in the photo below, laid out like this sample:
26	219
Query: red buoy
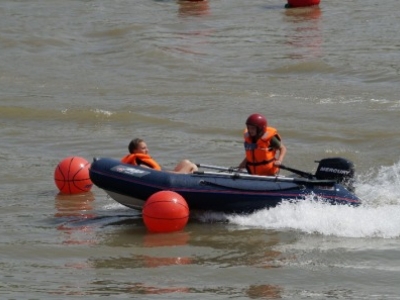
71	175
165	211
193	7
302	3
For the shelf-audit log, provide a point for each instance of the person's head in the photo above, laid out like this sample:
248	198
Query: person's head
138	146
256	124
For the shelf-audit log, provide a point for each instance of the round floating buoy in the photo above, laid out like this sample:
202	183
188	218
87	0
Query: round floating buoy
301	3
193	7
71	175
165	211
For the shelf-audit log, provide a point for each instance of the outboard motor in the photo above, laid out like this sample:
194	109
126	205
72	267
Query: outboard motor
339	169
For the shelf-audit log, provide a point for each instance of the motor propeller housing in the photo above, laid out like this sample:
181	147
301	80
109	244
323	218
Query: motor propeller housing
337	168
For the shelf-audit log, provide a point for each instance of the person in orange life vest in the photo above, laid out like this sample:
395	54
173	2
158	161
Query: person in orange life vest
262	144
139	155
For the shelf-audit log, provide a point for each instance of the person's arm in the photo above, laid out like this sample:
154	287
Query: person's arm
242	165
281	156
280	149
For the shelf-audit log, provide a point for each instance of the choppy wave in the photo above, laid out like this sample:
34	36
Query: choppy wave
377	217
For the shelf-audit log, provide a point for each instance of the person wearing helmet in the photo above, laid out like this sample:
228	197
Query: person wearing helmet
139	156
263	146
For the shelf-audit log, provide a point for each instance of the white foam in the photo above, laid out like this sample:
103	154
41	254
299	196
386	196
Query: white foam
378	216
102	112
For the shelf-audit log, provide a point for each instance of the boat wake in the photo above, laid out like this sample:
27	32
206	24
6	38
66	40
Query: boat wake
378	216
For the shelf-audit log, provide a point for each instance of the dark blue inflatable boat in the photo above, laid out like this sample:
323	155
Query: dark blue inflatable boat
225	191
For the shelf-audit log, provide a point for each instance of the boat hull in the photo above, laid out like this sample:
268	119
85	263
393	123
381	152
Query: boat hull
225	192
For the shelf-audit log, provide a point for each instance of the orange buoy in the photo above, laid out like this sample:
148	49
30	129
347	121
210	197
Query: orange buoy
71	175
301	3
165	211
193	7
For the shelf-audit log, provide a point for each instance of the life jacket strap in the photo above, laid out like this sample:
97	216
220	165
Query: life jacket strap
264	162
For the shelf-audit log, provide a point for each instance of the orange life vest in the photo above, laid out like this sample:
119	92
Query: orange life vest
138	159
259	155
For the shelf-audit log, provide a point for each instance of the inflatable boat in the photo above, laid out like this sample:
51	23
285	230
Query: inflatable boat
225	189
